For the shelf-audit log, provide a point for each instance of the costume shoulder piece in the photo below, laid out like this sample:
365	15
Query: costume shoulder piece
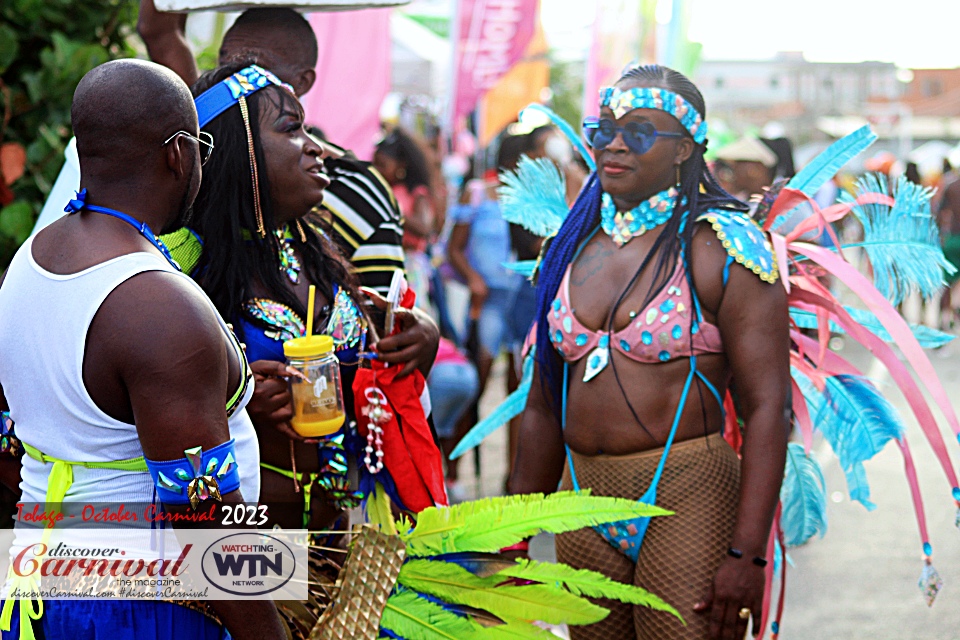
744	241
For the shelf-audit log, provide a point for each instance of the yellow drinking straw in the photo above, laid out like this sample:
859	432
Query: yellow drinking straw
310	298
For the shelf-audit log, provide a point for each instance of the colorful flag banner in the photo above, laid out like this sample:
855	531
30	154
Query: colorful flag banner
491	36
353	77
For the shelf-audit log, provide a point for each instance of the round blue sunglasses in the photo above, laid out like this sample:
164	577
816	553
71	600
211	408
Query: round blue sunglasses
638	136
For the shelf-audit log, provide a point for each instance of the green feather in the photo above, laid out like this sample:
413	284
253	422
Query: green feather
518	630
411	617
583	582
451	583
493	523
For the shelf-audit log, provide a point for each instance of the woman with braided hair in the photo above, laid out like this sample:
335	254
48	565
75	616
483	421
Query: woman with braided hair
656	296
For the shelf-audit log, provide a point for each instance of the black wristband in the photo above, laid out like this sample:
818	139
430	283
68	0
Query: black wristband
734	553
760	562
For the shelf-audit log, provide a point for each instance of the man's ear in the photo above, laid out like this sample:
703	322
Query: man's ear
175	157
305	80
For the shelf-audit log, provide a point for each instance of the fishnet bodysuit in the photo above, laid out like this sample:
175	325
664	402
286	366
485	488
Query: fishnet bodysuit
680	553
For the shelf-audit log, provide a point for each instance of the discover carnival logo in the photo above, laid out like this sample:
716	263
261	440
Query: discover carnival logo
248	564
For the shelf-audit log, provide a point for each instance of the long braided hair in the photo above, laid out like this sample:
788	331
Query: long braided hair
234	254
698	188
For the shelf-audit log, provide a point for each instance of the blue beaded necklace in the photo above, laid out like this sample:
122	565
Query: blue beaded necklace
80	202
622	227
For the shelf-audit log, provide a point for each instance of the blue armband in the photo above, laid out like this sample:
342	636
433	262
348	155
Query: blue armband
196	477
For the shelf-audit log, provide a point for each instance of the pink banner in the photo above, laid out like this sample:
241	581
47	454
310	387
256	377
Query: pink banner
618	34
492	36
353	77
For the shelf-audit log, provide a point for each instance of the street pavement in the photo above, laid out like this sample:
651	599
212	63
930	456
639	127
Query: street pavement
860	581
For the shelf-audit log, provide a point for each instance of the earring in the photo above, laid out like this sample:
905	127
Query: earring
254	175
303	234
678	175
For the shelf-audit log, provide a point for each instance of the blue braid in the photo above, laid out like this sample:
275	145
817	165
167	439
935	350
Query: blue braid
584	216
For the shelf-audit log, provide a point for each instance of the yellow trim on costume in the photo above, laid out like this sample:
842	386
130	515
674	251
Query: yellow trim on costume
770	276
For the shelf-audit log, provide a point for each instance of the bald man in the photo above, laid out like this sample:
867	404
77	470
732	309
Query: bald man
110	354
360	204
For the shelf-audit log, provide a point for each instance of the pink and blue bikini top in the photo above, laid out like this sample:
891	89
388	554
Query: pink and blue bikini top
659	333
655	334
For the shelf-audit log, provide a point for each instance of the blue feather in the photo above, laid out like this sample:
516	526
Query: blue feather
928	337
567	130
822	168
534	196
508	409
858	422
523	267
902	241
804	497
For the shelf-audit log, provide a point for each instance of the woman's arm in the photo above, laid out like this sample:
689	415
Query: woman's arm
540	451
457	255
753	323
420	220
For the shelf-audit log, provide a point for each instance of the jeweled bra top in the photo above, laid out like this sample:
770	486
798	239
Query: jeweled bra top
656	334
661	331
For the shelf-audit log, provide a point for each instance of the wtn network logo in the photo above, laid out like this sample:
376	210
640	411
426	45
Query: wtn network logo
258	564
248	564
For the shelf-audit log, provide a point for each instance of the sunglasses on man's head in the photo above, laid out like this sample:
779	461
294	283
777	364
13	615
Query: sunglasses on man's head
638	136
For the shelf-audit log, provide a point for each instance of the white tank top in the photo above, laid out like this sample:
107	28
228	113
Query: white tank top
44	320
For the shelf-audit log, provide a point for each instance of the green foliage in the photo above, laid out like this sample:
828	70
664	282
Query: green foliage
491	524
46	46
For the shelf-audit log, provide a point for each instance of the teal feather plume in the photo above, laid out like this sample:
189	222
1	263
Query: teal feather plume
928	337
523	267
857	422
567	130
902	242
822	168
534	196
803	496
826	165
511	407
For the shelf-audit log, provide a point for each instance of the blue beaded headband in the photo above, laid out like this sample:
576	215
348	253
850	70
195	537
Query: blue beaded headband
220	97
620	102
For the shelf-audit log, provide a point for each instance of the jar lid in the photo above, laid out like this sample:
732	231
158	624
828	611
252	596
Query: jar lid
308	346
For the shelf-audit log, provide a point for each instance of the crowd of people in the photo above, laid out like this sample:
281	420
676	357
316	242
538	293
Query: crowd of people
210	220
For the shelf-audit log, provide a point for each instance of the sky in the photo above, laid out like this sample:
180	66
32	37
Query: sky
910	33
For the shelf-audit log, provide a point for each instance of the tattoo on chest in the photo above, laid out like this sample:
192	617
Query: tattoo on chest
590	263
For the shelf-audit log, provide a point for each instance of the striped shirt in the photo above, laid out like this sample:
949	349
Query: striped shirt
364	214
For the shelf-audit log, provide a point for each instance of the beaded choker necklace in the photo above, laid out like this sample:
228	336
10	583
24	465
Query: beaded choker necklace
622	227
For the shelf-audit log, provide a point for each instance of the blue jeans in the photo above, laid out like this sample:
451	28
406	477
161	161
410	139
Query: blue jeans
453	386
493	331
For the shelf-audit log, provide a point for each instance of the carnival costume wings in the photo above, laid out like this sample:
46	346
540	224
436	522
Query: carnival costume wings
830	395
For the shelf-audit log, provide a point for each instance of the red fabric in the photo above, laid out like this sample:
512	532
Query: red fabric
410	454
731	430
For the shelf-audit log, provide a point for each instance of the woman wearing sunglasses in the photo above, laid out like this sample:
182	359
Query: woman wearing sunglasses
657	297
